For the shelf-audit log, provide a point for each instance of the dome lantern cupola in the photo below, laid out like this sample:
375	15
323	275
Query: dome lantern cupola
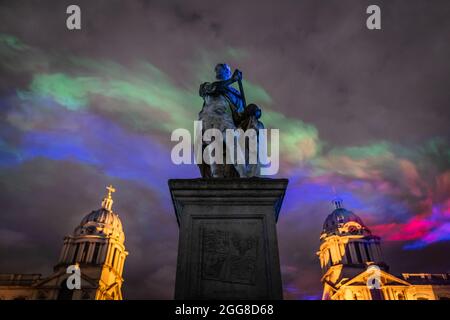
108	201
337	203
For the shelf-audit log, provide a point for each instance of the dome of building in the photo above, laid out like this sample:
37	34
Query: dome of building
103	217
103	221
339	218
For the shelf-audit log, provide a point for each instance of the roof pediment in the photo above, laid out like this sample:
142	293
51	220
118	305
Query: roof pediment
385	278
53	280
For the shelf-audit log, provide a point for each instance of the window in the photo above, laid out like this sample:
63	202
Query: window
64	292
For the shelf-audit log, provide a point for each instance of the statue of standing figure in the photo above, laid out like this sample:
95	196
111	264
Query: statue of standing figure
224	107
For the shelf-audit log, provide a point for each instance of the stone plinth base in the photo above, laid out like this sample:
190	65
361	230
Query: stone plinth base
228	242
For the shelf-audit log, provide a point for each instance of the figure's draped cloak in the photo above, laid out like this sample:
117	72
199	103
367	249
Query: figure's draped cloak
221	108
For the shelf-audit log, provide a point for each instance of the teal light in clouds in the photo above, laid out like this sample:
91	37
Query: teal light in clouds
70	92
12	42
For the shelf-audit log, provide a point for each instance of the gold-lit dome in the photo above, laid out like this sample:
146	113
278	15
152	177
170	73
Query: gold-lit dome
103	221
342	221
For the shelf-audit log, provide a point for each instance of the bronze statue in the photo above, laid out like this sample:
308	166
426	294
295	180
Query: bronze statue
224	107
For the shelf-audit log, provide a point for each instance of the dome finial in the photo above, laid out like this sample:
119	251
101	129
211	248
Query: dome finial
108	201
337	202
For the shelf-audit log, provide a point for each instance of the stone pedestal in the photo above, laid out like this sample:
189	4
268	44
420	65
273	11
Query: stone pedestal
228	242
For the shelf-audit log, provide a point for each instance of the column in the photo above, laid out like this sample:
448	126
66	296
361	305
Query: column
110	254
80	251
108	247
380	254
362	249
374	252
122	264
119	261
63	252
67	251
90	252
341	252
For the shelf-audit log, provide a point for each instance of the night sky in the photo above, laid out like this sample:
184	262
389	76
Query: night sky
363	115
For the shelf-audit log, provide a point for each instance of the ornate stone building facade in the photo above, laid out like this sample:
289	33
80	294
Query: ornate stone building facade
96	248
354	269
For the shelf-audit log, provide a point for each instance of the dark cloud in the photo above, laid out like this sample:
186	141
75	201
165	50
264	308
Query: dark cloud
315	59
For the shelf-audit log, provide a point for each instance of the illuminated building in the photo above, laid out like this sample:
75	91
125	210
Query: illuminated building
96	247
354	269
